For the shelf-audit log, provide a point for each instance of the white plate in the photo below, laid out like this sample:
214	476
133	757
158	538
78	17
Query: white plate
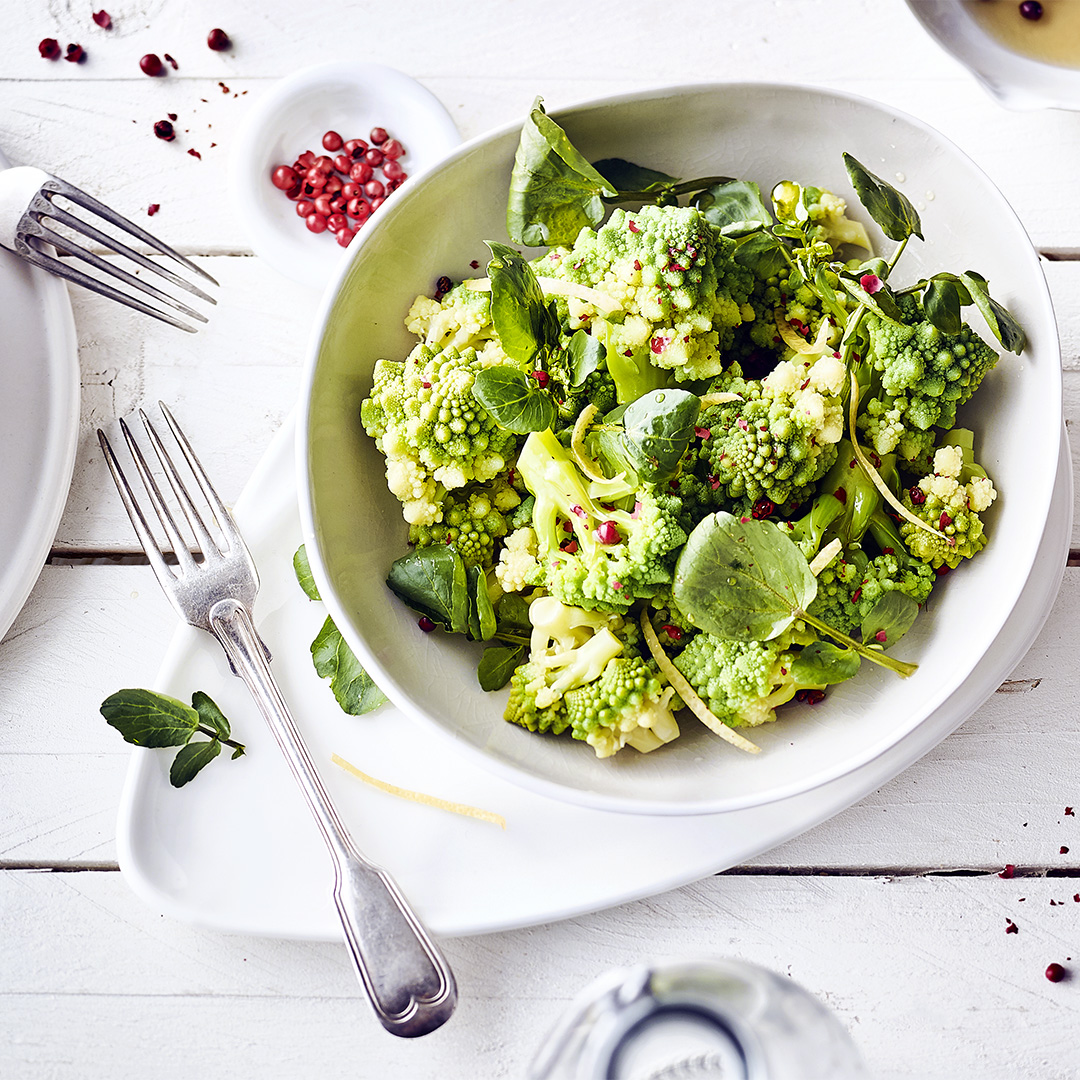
39	422
345	96
236	850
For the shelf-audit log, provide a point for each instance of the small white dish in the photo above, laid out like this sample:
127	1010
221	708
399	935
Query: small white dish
1014	80
39	422
343	96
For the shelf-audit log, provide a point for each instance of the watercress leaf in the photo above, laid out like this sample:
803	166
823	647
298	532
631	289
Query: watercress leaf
146	718
482	623
554	191
523	319
1003	326
658	427
514	400
625	176
353	688
941	304
735	208
497	665
889	619
829	297
513	613
209	714
887	206
191	759
742	579
432	580
822	663
302	570
585	355
763	253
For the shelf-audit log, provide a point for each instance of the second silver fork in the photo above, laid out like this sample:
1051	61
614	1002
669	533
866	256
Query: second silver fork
405	974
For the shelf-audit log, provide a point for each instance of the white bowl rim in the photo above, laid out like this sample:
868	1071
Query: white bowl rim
1039	496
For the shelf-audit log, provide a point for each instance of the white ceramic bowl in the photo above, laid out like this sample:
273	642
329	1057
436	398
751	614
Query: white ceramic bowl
343	96
353	526
1016	81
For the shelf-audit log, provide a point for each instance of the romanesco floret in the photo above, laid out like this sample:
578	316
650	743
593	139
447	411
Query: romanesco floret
582	675
676	292
424	418
925	373
950	505
461	319
894	573
742	682
838	585
779	439
593	554
473	519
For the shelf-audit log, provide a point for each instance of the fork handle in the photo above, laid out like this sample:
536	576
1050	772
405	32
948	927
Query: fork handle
403	971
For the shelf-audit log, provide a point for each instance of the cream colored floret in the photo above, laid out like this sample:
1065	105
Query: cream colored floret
517	560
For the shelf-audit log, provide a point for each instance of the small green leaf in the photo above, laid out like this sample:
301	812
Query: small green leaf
625	176
514	400
525	322
762	253
554	191
941	303
432	580
821	664
742	579
889	619
352	686
209	714
497	665
657	430
302	569
585	355
146	718
735	208
891	210
191	759
513	613
1003	326
481	612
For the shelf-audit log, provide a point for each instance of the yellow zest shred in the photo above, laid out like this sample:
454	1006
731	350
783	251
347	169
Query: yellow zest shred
689	694
799	344
419	797
577	444
875	477
826	556
719	398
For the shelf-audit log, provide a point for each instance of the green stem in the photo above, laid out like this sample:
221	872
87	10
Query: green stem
898	252
899	667
214	735
678	189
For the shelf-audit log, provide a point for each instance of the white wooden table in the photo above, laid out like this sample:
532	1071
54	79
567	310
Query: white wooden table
893	913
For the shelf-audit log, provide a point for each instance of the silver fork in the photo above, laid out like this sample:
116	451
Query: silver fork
403	971
29	214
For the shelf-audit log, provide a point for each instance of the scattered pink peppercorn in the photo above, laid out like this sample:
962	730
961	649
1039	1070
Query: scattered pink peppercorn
1008	872
175	66
918	496
75	54
151	65
1011	927
1055	972
541	377
195	154
164	130
1064	850
1069	812
49	48
218	40
1033	10
378	136
871	283
673	632
152	209
762	509
607	532
425	624
103	19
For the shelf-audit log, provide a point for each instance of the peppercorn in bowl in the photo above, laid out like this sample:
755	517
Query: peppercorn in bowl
548	448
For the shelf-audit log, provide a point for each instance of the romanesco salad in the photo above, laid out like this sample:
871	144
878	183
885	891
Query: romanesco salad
697	459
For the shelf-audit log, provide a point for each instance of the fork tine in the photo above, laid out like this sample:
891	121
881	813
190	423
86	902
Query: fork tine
61	269
69	247
179	545
142	530
85	228
225	521
88	202
206	542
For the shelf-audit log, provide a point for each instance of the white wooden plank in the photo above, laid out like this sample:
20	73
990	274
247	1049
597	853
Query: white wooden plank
991	794
919	970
